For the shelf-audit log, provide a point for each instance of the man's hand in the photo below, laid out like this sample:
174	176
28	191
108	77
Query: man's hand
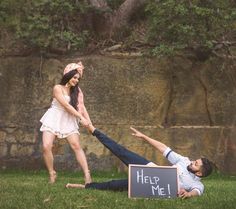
184	194
158	145
137	133
84	122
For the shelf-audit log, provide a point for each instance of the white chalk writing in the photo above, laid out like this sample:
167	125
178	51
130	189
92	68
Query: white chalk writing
141	178
160	190
154	182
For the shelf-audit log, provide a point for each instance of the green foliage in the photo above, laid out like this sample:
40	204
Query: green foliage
177	24
45	23
172	24
10	12
162	50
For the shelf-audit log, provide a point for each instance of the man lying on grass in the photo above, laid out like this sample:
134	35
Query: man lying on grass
189	172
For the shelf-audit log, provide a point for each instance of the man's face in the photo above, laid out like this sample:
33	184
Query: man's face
195	167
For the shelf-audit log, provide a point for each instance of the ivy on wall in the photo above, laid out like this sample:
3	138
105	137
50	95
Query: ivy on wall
177	24
45	23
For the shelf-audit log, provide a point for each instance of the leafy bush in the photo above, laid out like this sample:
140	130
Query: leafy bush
172	24
45	23
177	24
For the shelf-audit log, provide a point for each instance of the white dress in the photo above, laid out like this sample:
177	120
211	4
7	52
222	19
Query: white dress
58	121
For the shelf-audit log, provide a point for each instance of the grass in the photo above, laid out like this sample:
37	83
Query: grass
29	190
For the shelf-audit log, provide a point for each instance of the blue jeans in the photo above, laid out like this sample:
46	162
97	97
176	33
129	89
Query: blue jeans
125	155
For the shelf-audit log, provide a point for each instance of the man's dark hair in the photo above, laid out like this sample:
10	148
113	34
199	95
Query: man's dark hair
207	167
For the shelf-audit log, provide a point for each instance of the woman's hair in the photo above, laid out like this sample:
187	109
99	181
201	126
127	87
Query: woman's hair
74	90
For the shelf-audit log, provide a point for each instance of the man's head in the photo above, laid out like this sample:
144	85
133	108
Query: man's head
201	167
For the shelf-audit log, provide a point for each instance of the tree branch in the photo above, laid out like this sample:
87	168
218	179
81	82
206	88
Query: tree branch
224	56
99	4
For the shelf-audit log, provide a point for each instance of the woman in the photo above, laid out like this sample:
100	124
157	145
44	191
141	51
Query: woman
61	119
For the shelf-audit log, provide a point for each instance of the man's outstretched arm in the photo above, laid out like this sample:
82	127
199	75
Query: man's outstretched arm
158	145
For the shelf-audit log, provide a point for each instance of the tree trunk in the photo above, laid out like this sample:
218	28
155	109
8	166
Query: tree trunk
123	15
109	23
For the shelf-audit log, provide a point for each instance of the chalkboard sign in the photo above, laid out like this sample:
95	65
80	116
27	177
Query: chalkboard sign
152	181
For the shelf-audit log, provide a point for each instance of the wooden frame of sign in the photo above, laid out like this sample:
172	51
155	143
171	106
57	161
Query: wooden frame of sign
152	181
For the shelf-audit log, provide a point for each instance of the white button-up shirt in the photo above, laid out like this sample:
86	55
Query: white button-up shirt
187	180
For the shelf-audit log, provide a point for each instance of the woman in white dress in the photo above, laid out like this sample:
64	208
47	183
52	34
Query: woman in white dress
61	119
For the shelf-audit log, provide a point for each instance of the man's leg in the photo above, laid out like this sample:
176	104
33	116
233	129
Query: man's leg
125	155
114	185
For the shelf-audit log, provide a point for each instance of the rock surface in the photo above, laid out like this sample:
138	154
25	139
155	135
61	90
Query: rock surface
189	106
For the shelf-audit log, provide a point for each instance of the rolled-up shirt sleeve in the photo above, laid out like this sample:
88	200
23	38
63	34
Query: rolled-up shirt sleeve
172	156
197	190
199	187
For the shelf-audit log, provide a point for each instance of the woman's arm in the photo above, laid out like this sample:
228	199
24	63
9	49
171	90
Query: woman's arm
81	107
85	114
58	94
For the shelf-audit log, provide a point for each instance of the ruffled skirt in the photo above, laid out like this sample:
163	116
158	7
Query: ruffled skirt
59	122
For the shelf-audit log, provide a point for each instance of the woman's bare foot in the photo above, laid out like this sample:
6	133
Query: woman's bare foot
52	177
87	177
81	186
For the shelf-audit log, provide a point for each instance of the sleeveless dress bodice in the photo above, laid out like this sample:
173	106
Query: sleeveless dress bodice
58	121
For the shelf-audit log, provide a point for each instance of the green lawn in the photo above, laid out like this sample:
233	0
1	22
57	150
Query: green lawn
29	190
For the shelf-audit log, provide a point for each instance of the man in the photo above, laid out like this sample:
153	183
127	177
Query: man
189	172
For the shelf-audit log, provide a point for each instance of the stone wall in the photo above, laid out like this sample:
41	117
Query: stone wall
189	106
